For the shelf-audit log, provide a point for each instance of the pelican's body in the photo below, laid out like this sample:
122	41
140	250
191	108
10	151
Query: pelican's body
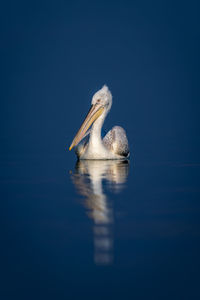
115	143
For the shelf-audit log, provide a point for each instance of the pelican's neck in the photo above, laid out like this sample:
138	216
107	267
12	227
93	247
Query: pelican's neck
95	135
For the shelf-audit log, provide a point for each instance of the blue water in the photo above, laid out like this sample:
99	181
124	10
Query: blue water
106	229
99	230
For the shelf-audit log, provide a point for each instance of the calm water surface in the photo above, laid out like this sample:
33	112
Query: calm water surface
99	229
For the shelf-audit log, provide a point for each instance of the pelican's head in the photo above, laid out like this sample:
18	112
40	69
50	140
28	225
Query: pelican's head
103	98
101	104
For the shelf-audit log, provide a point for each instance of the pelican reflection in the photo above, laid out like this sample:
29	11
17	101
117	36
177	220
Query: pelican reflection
88	178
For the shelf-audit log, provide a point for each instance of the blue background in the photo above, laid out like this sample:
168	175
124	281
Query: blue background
54	56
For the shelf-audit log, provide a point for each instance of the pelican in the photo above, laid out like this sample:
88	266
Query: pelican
113	146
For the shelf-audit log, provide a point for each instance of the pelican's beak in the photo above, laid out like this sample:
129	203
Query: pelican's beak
95	111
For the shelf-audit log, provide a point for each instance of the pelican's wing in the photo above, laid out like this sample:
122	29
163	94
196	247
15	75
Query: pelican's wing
116	141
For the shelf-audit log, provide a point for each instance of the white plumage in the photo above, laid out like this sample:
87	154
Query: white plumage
115	143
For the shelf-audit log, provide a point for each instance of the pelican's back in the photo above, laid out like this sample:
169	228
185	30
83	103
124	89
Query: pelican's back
117	142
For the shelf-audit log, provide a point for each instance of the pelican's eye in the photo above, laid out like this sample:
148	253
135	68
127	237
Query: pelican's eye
98	100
